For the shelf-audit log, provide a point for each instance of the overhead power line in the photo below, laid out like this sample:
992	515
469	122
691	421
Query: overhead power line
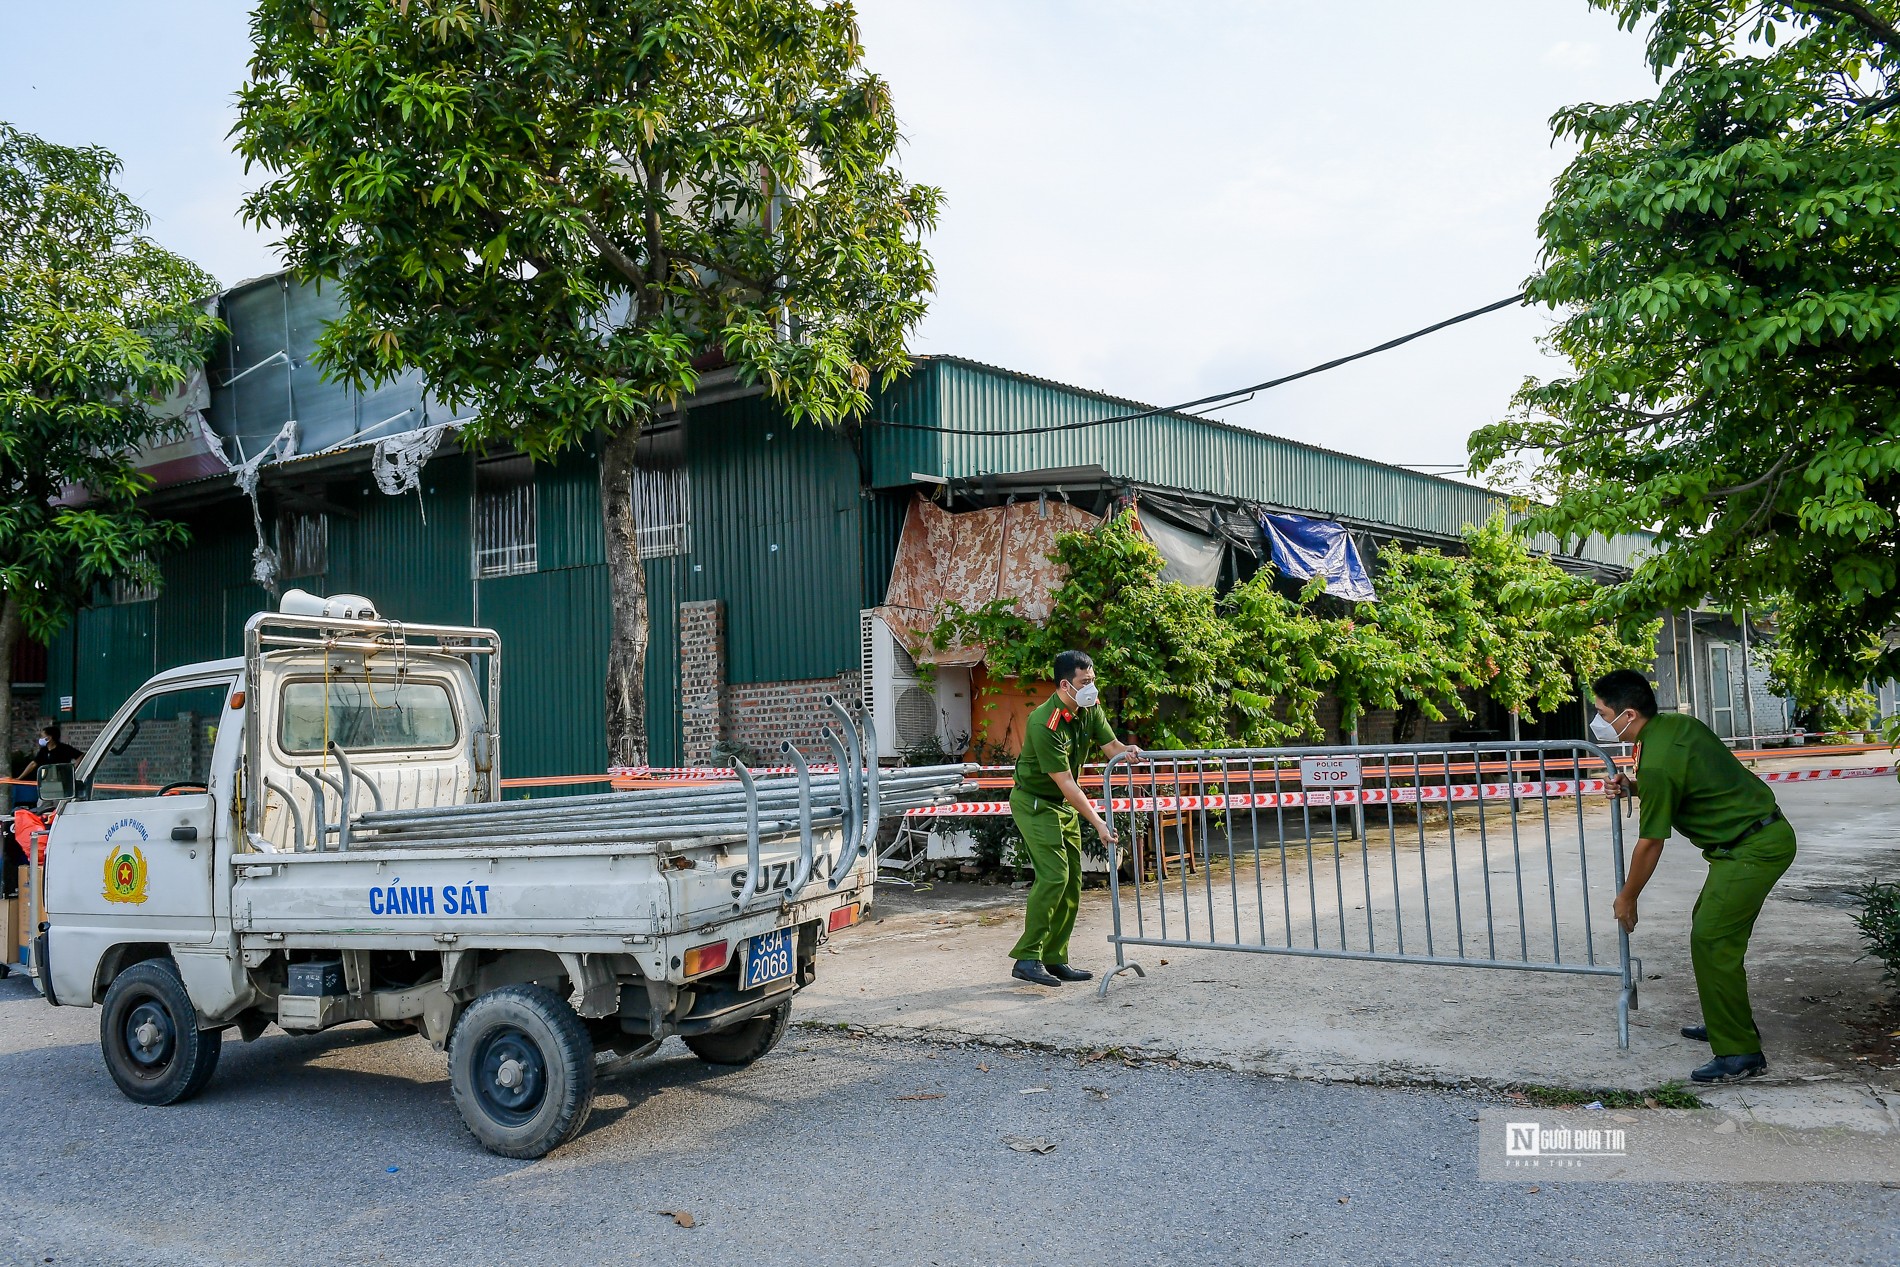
1217	397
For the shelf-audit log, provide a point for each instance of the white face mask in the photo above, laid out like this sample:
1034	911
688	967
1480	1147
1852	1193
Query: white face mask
1088	696
1604	730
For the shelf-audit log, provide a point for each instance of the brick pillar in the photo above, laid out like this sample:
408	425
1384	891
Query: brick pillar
702	679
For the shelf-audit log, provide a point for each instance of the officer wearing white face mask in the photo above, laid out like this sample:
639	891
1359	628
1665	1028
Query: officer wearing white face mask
1048	806
1689	782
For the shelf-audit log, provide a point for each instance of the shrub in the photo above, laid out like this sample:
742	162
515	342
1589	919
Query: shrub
1879	924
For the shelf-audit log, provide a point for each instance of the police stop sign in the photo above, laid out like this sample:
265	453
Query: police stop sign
1329	772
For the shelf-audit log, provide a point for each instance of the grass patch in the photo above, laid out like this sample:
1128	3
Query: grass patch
1670	1095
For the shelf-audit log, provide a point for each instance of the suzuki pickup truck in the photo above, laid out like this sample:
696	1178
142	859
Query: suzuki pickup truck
314	834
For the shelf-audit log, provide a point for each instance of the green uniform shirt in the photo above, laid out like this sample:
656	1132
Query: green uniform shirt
1059	738
1690	782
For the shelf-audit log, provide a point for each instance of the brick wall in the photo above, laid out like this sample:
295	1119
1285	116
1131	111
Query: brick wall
761	716
23	728
702	680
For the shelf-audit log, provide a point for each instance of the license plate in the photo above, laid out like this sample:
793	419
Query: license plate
768	958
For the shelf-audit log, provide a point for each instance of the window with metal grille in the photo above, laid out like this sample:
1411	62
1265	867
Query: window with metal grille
131	588
504	517
662	511
303	543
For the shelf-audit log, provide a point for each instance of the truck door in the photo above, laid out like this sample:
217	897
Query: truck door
135	852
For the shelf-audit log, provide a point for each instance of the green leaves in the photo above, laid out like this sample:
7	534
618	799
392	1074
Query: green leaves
538	198
97	325
1185	668
1726	260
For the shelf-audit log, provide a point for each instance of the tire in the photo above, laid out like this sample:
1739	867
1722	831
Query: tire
521	1067
149	1033
745	1042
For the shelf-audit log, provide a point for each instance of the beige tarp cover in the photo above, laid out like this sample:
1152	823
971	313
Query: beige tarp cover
971	559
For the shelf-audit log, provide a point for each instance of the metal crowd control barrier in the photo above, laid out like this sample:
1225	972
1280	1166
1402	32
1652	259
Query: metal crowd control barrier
1463	860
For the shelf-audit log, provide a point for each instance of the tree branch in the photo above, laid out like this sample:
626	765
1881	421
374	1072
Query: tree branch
763	287
1757	482
621	262
1855	11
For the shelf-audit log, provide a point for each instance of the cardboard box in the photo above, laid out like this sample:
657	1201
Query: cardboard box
12	934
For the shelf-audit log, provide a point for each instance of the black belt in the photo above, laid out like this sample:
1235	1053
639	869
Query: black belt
1761	826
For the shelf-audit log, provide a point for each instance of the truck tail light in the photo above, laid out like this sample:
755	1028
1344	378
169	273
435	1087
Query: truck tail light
703	959
843	917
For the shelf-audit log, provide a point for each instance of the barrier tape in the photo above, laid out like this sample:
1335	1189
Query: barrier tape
1548	789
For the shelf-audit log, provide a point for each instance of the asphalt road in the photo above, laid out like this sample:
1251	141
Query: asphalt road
817	1156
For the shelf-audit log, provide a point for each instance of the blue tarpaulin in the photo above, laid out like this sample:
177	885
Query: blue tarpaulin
1304	548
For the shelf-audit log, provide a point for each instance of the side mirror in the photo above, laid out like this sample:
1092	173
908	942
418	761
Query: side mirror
56	783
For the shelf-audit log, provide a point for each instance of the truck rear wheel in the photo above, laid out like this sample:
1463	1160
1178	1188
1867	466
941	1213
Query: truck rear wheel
149	1032
745	1042
521	1067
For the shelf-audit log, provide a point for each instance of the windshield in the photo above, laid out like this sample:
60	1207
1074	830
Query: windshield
365	715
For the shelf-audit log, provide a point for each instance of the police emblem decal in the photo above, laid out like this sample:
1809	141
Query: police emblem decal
125	870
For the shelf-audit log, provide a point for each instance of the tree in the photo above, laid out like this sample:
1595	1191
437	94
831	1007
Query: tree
1727	260
98	324
562	211
1183	667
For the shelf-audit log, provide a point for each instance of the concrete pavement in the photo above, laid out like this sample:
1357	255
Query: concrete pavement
935	964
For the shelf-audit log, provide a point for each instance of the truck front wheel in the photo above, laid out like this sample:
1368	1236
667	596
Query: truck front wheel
149	1032
744	1042
521	1067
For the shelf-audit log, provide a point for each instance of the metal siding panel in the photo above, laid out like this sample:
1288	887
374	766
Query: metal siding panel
553	671
567	510
791	612
883	523
1167	450
664	585
410	555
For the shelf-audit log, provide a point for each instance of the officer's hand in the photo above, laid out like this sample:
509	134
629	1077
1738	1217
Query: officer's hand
1107	834
1625	909
1617	787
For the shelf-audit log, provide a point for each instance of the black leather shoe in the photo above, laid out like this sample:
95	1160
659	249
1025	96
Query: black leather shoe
1732	1068
1698	1032
1063	972
1034	973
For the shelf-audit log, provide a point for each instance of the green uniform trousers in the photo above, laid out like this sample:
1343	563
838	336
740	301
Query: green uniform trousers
1052	831
1732	896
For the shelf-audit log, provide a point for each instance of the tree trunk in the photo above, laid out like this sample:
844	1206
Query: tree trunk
9	638
626	580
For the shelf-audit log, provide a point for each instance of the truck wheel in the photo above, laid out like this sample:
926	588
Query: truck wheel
149	1033
522	1070
744	1042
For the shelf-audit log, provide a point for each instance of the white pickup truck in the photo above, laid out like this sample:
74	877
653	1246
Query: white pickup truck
314	834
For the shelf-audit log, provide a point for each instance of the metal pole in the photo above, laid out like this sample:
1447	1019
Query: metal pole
1748	684
1695	693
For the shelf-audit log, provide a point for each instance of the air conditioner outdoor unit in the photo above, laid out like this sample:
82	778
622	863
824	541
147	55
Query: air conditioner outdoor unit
911	706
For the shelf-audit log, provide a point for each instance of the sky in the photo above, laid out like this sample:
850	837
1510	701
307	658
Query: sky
1155	200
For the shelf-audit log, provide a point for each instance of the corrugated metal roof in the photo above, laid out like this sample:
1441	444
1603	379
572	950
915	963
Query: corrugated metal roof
1172	450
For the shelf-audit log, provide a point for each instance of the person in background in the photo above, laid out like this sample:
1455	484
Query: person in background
1049	806
1688	781
52	750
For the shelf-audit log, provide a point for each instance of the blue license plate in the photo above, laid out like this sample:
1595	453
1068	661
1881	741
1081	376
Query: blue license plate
768	958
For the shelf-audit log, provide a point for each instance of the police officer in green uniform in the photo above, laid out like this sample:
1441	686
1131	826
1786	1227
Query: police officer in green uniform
1688	781
1048	806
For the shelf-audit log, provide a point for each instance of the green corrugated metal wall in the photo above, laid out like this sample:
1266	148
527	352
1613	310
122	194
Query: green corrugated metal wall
777	522
1169	450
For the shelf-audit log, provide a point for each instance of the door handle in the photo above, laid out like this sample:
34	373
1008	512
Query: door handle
184	833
